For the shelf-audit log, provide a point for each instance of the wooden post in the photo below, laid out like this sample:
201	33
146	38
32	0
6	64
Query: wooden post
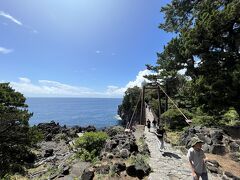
142	115
166	98
159	107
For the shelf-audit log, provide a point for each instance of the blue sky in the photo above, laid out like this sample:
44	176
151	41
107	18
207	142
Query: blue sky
78	48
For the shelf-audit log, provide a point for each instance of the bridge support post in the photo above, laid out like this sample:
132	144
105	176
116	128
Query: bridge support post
159	107
166	98
142	115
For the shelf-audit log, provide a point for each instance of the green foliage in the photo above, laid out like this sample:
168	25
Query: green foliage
231	117
204	120
85	155
207	46
35	135
174	137
139	159
173	119
129	103
91	144
14	131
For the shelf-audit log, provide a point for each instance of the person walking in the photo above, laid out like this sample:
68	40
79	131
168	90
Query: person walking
154	123
197	160
160	133
148	125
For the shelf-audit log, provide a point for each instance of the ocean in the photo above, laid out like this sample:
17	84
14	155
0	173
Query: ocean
99	112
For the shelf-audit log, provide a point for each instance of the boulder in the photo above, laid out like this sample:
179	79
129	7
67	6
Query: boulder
104	169
131	171
48	153
65	170
233	131
109	156
218	149
87	175
119	167
110	145
89	129
234	147
142	169
230	175
217	136
48	137
214	167
124	153
235	156
205	148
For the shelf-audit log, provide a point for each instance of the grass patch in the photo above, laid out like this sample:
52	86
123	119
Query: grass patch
173	137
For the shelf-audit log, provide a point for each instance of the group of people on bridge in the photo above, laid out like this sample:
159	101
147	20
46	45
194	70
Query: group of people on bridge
159	131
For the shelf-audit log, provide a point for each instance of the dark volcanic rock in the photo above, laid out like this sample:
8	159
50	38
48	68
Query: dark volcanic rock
131	171
87	175
65	170
89	129
217	136
49	128
234	147
218	149
124	153
48	153
102	169
230	175
119	167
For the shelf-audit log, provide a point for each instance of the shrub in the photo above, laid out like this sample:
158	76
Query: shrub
91	144
204	120
174	119
231	117
35	135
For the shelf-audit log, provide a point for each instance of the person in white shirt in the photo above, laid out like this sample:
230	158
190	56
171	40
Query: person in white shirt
197	160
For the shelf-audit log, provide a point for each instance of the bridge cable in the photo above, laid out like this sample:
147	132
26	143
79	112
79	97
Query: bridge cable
129	124
186	119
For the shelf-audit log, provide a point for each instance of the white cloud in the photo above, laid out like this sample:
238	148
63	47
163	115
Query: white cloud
119	91
98	51
8	16
139	79
24	80
13	19
47	88
5	50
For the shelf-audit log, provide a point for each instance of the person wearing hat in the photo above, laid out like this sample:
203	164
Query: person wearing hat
197	159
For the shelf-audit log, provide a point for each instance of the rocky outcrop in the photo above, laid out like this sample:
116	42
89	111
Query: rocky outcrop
120	145
51	129
216	141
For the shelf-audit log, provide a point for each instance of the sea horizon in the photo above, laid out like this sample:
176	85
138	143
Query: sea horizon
72	111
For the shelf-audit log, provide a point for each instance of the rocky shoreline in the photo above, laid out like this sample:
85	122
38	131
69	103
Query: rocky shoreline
56	155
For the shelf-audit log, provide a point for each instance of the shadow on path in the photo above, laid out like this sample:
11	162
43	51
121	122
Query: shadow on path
171	155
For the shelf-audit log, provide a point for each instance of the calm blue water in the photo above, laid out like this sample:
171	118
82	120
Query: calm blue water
100	112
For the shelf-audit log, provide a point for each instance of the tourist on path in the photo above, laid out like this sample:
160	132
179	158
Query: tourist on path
197	160
148	125
160	135
154	123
